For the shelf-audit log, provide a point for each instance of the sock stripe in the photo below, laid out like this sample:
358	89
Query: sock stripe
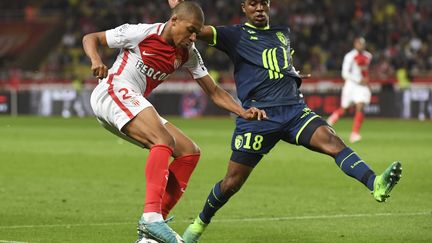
214	194
340	166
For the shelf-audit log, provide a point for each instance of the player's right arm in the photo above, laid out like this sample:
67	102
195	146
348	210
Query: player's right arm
91	42
224	100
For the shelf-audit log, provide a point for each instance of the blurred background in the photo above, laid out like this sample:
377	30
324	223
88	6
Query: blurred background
44	71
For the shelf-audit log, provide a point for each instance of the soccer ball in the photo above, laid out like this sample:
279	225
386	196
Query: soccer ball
146	240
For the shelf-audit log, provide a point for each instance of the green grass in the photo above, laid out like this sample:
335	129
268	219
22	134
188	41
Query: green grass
72	181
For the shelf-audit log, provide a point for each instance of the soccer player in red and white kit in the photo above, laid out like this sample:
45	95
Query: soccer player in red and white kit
355	71
148	54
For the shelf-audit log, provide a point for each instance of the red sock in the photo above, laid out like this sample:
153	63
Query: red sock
180	170
339	112
156	172
358	120
336	115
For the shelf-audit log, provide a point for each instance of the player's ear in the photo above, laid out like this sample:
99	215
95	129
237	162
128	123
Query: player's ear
174	19
243	6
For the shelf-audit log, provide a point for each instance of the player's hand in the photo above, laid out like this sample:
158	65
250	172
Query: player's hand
99	70
254	114
305	76
174	3
365	81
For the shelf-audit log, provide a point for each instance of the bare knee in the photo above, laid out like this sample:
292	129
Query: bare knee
334	146
325	140
192	149
150	137
235	177
165	139
231	185
185	148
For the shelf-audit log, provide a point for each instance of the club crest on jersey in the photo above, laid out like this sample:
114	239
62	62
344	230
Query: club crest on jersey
238	141
282	38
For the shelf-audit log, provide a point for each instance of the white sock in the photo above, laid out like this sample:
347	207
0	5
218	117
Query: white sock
152	217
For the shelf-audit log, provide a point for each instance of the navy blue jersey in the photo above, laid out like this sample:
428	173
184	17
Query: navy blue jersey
263	69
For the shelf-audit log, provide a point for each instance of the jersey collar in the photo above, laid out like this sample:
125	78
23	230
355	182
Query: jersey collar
258	28
160	28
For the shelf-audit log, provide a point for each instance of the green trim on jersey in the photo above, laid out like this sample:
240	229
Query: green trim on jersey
258	28
214	36
303	127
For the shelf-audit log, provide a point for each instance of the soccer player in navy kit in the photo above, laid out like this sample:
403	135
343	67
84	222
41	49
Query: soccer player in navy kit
265	78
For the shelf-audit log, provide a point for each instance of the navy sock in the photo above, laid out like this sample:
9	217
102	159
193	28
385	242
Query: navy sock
214	202
354	166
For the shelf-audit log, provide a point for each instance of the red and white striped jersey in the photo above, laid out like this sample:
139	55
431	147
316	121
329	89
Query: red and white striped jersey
355	66
146	60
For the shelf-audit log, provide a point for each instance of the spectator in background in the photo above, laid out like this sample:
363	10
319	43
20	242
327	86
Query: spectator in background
387	25
384	73
355	72
404	82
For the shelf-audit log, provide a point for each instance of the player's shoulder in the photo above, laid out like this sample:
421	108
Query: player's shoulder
230	28
189	52
191	48
153	27
280	28
351	53
368	54
140	28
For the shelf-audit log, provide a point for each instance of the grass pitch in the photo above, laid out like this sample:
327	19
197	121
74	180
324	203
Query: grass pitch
72	181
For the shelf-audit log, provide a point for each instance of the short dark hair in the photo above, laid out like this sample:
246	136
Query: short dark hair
189	8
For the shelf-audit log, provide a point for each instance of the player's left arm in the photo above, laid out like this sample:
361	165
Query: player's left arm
224	100
220	97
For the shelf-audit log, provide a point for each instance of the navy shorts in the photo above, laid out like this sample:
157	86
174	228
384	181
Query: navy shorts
294	124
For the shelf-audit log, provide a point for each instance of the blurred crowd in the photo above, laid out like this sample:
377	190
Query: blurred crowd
398	32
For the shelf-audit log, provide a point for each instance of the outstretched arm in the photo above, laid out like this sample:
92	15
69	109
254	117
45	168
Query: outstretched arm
91	42
224	100
207	34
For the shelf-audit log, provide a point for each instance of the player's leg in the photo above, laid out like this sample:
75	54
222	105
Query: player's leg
345	102
219	195
236	175
334	117
133	117
251	139
361	96
186	155
358	121
147	128
323	139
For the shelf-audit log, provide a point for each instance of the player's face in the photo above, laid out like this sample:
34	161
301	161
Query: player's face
359	44
185	31
257	12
